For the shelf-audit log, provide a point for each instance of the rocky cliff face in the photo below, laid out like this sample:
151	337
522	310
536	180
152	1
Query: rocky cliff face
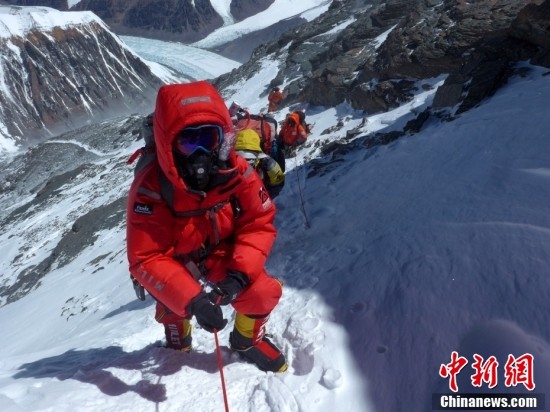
532	26
49	174
177	20
183	21
241	9
61	78
55	4
385	45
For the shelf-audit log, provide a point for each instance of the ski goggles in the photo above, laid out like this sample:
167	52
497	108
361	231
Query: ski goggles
206	138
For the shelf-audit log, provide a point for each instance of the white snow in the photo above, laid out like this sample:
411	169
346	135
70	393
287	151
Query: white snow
279	10
18	21
379	40
193	62
339	27
72	3
7	144
82	342
222	7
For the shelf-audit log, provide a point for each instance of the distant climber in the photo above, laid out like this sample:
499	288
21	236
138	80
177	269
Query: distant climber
274	98
294	132
248	146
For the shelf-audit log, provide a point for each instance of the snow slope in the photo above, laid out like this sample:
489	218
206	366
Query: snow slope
392	258
192	62
222	7
279	10
17	21
408	246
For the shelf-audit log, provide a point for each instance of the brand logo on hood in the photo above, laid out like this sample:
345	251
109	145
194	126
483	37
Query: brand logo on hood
196	99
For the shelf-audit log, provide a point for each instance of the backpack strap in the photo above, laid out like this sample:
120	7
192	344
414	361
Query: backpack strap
189	260
167	194
147	152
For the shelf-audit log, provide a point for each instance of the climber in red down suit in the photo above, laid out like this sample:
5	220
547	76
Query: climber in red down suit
197	211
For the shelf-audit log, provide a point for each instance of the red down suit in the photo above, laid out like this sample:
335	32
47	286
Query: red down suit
229	227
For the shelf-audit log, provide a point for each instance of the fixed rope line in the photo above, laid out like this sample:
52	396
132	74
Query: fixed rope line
220	362
301	196
220	366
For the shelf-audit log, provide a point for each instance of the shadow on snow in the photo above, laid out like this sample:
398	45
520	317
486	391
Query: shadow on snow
89	366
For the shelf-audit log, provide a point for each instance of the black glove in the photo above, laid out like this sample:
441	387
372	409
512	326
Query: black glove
208	316
228	289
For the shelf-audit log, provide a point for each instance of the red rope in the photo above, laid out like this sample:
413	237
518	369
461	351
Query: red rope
220	366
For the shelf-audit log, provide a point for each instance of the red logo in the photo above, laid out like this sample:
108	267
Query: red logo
518	370
264	196
452	369
485	371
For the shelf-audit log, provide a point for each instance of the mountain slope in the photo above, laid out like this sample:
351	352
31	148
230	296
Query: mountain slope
196	20
370	53
409	247
396	248
60	70
174	20
425	245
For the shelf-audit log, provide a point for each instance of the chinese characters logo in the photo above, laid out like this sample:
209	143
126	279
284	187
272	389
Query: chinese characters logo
517	371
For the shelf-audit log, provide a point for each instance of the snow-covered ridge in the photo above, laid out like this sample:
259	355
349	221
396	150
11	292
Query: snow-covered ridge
18	21
223	8
279	10
410	246
44	91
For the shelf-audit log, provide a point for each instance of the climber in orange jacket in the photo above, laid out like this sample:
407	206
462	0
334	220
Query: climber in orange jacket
293	133
199	213
274	98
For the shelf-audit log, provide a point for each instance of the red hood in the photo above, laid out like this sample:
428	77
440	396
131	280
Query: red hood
182	105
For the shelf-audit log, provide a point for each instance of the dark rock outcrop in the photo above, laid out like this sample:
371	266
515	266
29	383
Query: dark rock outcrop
54	4
373	61
175	20
532	25
161	19
241	9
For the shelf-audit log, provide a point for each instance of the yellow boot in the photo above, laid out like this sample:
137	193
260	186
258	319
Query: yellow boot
249	339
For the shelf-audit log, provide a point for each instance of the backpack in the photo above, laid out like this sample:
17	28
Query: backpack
146	155
265	126
302	116
148	152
